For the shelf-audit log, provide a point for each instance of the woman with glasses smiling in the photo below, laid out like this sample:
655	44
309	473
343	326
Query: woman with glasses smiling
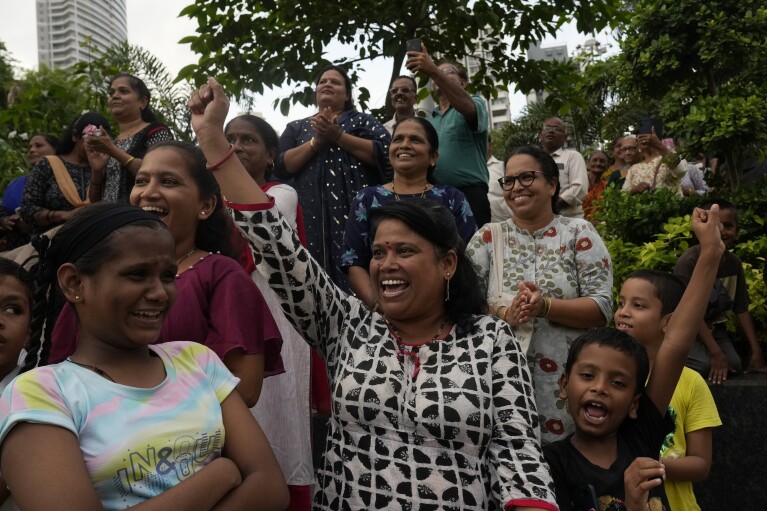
547	275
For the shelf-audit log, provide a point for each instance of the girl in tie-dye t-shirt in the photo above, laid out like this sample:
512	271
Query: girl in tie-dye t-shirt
122	423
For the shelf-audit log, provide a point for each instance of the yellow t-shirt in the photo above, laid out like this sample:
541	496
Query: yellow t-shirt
693	408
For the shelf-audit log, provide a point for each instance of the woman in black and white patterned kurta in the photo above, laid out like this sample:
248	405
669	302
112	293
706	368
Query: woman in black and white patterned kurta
446	423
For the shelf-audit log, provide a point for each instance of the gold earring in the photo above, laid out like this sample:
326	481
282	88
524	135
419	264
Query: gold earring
77	298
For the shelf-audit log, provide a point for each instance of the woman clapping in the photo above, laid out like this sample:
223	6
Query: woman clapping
330	157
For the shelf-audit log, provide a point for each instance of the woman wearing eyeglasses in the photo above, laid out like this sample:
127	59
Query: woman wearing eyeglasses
554	280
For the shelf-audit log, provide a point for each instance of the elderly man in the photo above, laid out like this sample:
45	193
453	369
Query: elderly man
573	178
461	121
403	95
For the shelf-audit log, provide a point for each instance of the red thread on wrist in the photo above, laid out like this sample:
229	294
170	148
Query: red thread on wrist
223	160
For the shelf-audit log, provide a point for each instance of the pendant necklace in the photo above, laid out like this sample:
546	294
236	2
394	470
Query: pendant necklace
396	195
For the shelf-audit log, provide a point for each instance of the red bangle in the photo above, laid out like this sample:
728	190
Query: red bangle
228	155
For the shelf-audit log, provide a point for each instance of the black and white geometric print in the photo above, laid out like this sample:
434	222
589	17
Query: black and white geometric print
448	425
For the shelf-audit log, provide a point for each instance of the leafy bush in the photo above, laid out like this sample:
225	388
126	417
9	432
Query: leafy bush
652	230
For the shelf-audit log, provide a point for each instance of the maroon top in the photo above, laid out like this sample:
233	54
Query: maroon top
217	304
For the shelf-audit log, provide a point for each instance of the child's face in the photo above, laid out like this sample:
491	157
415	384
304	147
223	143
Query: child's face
125	303
639	313
600	390
729	221
14	321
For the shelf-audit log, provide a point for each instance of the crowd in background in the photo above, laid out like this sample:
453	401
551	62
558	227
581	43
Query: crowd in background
446	310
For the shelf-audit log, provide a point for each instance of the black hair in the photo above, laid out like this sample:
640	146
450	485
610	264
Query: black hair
349	103
9	268
617	340
48	299
545	162
668	287
405	77
435	223
50	139
431	137
723	204
66	144
265	130
138	85
215	233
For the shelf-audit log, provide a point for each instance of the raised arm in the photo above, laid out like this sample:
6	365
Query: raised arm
209	107
453	92
686	319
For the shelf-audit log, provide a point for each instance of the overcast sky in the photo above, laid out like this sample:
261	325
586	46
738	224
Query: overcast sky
155	25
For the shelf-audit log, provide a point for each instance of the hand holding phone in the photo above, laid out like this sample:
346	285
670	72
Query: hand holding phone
413	45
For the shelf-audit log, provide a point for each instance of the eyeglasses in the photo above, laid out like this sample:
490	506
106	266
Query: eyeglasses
449	70
525	179
553	127
628	148
403	90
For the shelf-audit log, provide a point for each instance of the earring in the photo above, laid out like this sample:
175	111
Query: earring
447	290
203	212
77	298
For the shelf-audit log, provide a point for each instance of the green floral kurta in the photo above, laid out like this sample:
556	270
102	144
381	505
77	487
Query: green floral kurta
566	259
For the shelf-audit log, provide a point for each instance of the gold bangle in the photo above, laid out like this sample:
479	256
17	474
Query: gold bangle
127	162
498	312
506	313
313	145
546	307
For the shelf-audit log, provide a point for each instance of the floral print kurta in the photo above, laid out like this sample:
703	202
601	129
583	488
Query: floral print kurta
566	259
448	425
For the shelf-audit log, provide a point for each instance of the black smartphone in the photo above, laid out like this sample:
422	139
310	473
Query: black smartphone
585	498
646	126
413	45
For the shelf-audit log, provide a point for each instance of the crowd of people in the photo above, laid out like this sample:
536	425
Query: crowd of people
176	313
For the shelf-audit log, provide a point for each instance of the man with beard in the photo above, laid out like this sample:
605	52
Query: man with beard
573	178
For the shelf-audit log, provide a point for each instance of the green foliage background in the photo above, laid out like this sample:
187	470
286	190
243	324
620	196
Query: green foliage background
652	230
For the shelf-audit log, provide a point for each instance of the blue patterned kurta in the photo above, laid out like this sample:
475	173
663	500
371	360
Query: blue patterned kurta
329	182
356	240
566	259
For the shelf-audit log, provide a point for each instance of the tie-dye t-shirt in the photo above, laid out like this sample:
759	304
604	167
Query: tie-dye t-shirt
136	442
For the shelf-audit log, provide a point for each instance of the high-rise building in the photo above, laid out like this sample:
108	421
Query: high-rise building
64	25
552	53
498	108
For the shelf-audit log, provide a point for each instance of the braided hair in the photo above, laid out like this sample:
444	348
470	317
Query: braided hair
85	241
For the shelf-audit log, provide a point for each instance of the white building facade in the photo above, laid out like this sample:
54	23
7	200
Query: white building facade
64	25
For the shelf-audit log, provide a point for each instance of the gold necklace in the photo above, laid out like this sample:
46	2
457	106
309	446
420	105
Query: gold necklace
178	261
396	195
